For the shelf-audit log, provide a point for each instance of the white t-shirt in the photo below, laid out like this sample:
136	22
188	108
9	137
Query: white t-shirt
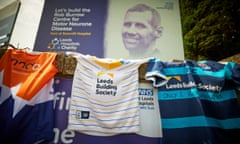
105	96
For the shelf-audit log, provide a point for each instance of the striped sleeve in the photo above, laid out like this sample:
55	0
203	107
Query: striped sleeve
155	74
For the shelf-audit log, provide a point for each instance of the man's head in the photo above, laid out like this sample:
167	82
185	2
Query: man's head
141	28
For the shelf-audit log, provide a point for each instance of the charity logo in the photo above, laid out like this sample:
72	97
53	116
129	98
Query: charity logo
105	85
178	78
63	44
176	82
82	114
101	73
204	66
55	44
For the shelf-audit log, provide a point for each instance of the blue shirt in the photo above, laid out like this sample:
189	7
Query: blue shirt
198	102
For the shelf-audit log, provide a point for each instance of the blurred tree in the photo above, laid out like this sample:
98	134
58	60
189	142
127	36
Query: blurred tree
210	28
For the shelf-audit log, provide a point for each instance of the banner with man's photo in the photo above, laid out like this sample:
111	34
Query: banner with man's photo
112	28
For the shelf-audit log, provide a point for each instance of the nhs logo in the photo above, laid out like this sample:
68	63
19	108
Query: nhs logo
145	92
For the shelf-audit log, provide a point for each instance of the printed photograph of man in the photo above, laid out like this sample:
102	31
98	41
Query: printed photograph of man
141	29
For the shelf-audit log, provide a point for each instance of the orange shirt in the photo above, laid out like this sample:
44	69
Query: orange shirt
31	71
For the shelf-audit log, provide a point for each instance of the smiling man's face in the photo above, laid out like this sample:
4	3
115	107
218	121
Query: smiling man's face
137	32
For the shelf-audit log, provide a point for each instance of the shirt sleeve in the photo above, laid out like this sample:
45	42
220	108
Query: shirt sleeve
155	74
233	73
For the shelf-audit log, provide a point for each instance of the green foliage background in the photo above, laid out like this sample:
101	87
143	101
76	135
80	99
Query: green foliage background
211	28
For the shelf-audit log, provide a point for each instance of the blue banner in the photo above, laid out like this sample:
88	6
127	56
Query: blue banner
72	26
